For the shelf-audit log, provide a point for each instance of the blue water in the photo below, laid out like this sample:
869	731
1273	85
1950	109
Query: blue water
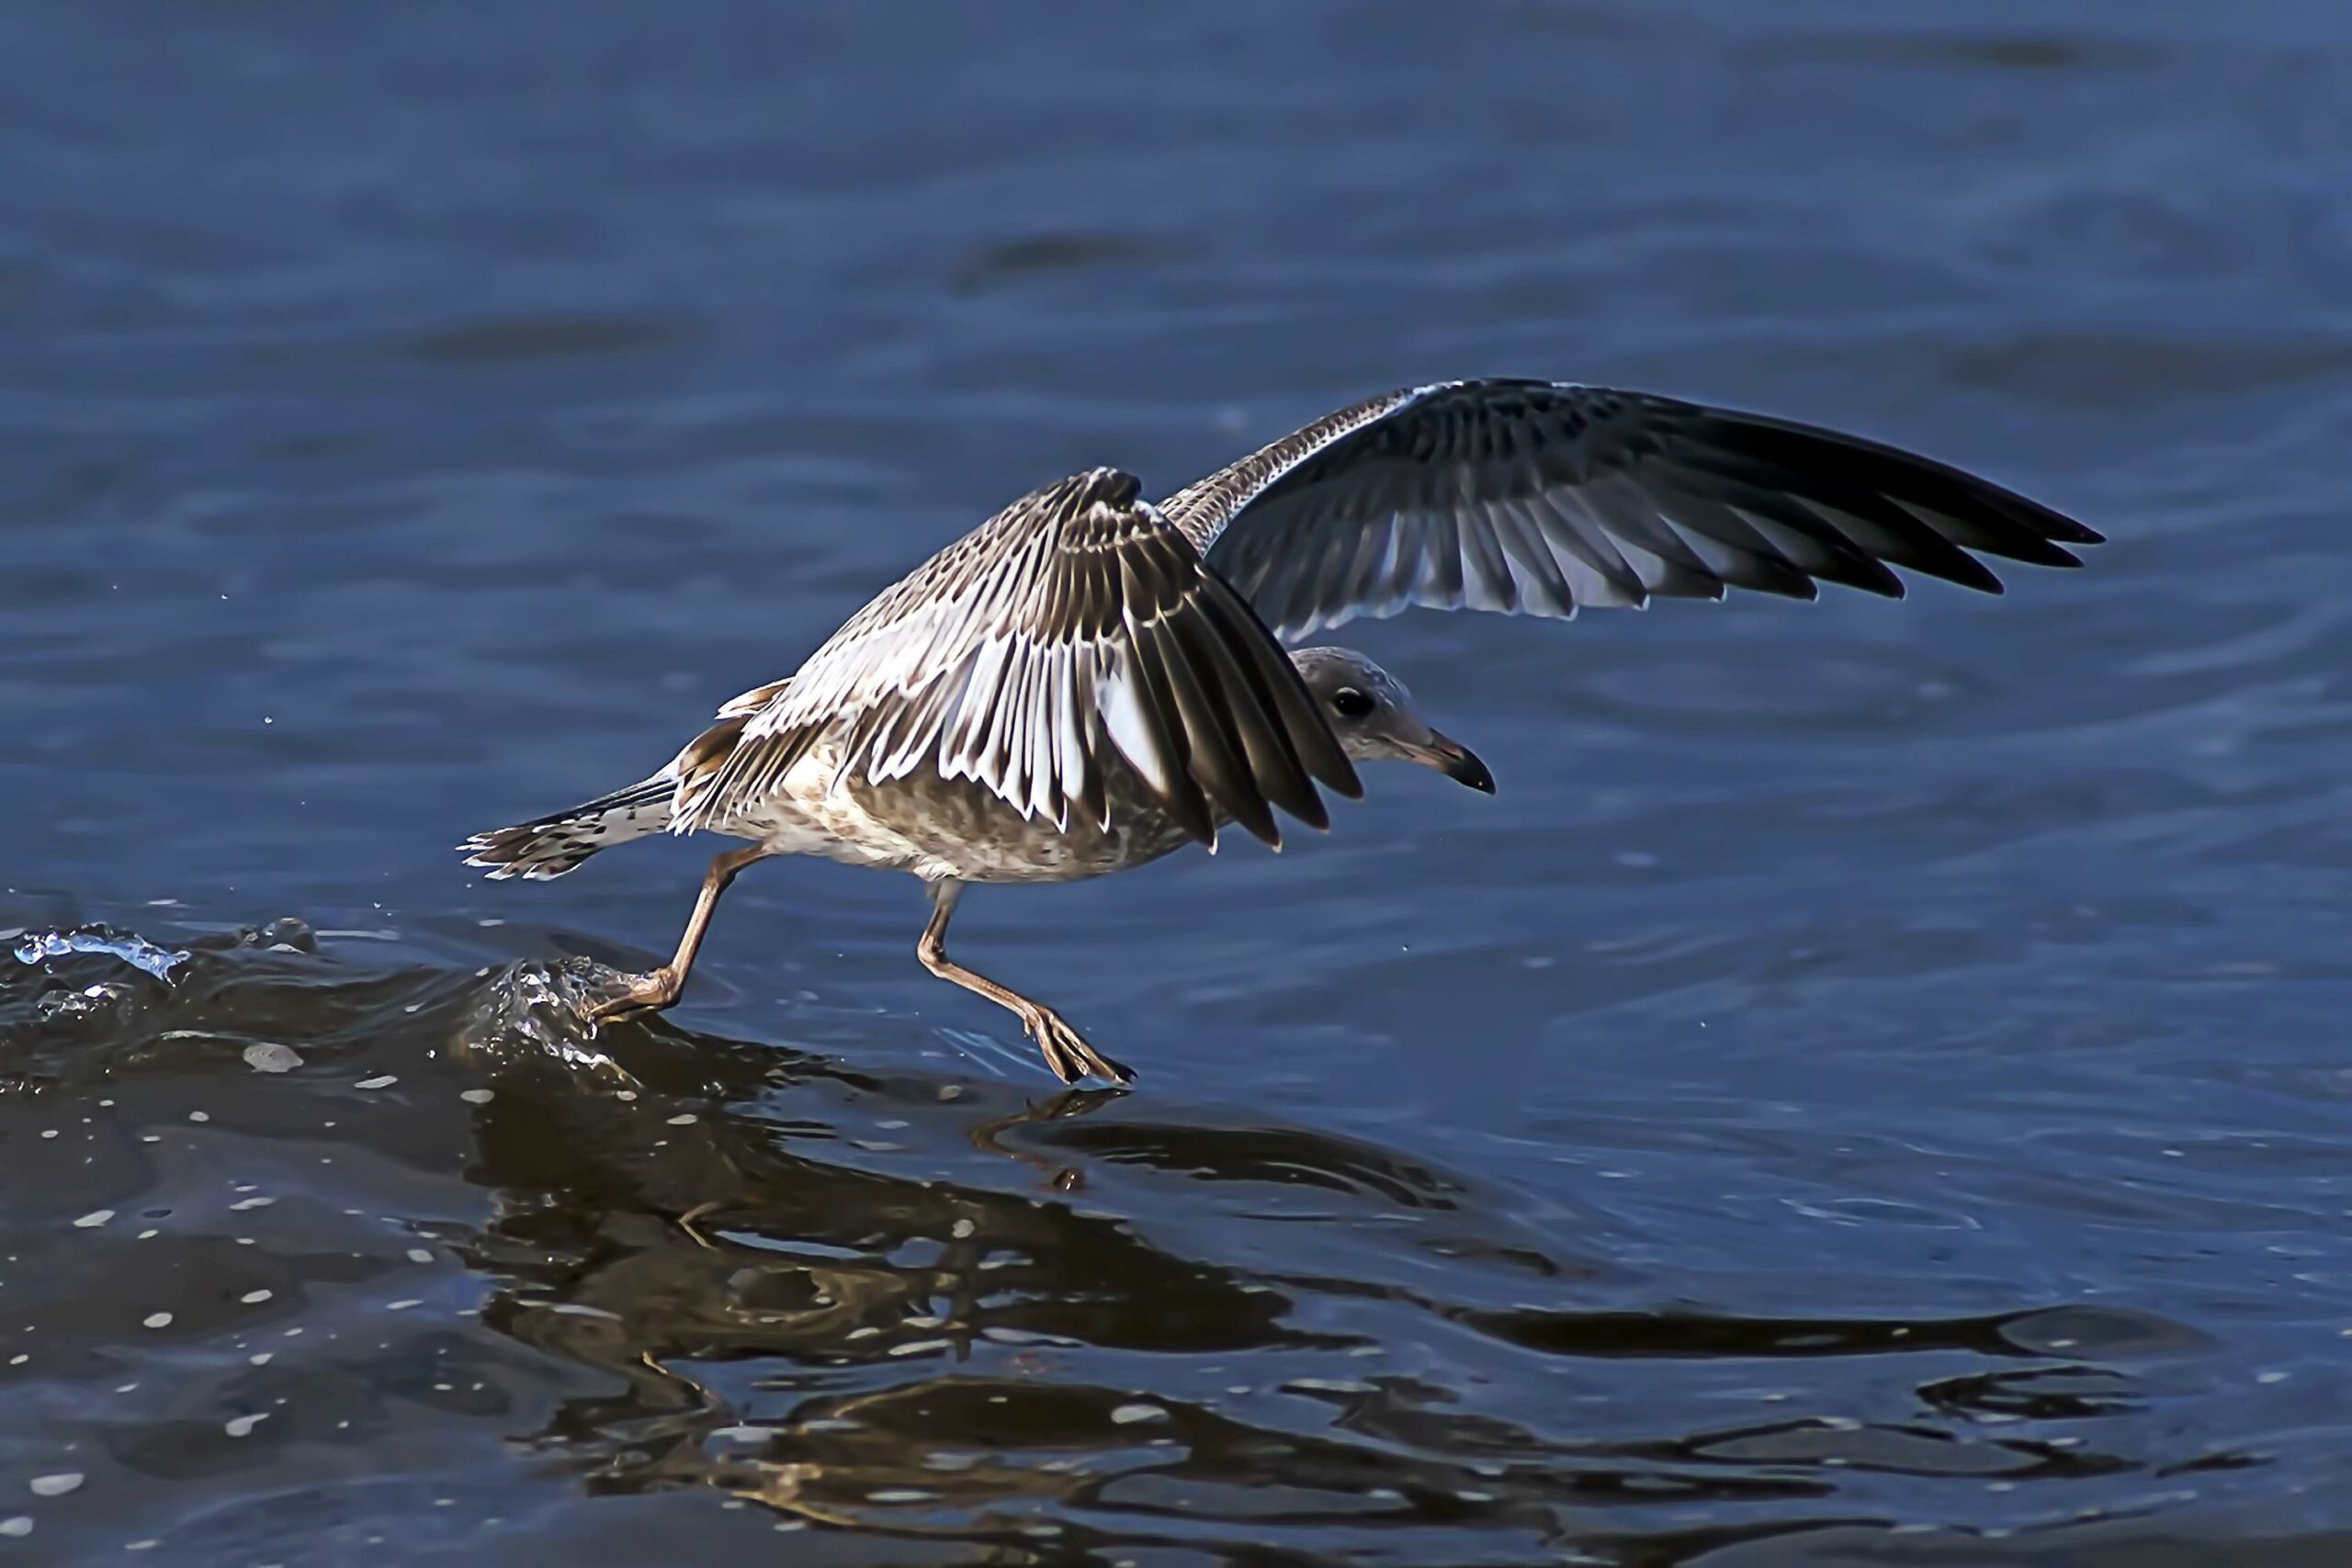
1873	1087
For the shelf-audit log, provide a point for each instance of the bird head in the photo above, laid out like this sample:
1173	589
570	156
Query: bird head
1374	715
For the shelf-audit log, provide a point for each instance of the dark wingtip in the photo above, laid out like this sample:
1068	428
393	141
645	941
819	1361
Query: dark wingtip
2066	531
1976	574
1260	825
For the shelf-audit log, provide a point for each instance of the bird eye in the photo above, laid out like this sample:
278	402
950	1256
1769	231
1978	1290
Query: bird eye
1349	703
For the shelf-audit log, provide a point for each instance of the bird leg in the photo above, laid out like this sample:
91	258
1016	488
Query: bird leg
662	988
1065	1050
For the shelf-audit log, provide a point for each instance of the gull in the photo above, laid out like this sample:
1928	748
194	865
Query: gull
1089	682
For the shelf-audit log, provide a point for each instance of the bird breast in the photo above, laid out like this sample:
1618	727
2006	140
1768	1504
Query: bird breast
940	829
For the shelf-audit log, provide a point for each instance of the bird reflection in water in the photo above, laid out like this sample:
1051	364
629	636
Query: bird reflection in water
746	1270
817	1294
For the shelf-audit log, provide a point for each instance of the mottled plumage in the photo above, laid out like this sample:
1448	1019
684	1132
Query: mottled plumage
1087	682
1074	617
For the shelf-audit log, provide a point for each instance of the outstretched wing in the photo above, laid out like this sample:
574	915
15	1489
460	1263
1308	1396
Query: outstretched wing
1074	623
1538	497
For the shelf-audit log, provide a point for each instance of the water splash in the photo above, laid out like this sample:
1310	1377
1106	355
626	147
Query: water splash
539	1011
39	947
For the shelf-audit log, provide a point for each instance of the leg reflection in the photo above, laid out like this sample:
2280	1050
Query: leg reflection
1062	1107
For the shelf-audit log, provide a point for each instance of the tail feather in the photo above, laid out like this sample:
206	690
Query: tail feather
553	845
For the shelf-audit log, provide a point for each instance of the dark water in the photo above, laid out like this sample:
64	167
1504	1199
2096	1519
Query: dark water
1874	1087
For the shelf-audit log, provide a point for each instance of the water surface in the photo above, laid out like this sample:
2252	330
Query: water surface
1873	1087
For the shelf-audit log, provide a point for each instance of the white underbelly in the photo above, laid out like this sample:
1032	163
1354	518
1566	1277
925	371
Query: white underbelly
932	830
804	816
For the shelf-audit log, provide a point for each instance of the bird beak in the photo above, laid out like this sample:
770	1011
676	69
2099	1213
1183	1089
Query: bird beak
1456	761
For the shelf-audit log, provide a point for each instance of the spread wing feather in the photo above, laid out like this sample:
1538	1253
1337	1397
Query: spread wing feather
1075	623
1538	497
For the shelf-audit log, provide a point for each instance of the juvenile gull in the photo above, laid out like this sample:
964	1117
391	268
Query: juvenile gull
1088	682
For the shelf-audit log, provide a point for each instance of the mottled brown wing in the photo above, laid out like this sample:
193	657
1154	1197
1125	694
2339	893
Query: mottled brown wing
1539	497
1074	623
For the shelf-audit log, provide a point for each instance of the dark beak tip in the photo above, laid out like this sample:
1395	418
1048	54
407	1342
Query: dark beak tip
1466	768
1459	763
